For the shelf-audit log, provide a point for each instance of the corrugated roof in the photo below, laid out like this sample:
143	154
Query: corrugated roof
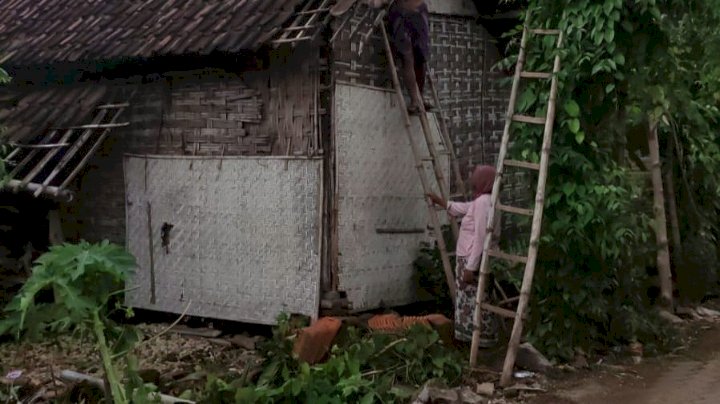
47	31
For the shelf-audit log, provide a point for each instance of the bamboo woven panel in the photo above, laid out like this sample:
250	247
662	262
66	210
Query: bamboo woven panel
245	242
378	189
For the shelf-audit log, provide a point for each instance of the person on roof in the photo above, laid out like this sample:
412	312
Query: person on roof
469	249
410	38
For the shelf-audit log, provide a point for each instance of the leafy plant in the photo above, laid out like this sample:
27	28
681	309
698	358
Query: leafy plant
624	63
83	280
362	367
430	278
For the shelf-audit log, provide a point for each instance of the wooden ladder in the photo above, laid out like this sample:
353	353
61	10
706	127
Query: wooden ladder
536	213
420	160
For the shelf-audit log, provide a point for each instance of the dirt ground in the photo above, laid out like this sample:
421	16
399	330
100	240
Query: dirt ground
690	376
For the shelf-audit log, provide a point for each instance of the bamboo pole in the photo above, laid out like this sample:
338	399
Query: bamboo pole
75	148
663	254
435	222
460	184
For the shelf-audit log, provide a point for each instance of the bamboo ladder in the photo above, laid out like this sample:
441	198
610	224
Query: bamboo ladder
536	213
420	160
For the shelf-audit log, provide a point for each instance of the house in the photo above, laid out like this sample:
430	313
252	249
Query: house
249	153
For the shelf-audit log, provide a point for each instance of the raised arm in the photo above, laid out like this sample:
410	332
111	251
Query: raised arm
454	208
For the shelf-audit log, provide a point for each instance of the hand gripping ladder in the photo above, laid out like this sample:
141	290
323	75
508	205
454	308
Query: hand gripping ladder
536	213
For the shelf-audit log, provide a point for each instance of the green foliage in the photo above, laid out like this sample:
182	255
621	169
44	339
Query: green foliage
83	279
362	368
624	64
429	276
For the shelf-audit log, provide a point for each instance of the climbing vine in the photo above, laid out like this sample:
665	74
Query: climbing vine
624	64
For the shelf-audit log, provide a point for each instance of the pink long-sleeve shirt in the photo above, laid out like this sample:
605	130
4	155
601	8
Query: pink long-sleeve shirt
473	227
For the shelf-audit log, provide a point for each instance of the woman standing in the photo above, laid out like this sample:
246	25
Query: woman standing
469	250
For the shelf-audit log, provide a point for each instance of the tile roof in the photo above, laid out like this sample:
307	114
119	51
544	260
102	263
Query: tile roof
47	31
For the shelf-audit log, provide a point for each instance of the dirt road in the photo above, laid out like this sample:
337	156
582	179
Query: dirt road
691	377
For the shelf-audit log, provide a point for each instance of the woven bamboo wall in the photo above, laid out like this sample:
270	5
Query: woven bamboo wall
207	112
463	54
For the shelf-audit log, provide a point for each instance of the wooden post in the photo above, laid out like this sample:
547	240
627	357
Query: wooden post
55	233
663	254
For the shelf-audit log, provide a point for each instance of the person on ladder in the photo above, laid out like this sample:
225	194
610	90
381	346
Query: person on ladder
469	251
410	37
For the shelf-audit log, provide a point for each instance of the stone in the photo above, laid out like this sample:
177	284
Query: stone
580	361
667	316
485	389
705	312
531	359
244	342
437	395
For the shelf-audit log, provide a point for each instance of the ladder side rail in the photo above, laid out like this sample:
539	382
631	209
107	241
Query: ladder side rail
446	138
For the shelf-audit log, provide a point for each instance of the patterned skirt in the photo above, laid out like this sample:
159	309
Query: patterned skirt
465	311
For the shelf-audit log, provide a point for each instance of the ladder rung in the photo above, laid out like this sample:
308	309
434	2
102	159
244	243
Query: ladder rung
522	164
507	257
509	300
498	310
540	120
535	75
539	31
512	209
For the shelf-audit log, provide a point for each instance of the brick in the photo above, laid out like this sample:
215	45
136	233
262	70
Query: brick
314	342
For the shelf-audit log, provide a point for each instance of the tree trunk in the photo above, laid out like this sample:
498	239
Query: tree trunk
663	254
672	205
